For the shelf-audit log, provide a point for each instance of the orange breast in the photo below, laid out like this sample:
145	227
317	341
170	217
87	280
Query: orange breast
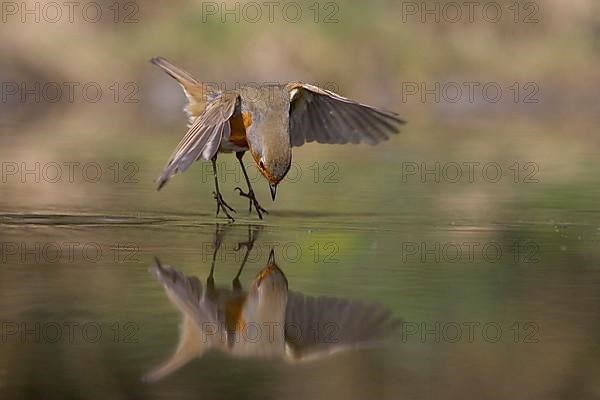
233	314
238	125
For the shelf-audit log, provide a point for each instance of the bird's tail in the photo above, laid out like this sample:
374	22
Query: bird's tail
196	92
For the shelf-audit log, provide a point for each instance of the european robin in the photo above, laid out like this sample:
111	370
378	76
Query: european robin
268	121
268	321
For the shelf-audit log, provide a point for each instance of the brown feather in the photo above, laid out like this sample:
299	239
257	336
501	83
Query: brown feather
325	117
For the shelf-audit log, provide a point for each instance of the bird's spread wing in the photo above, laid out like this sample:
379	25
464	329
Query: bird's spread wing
186	294
190	346
183	291
317	327
203	139
320	115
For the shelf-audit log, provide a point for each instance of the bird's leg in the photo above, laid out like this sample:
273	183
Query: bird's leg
221	205
250	194
219	234
249	245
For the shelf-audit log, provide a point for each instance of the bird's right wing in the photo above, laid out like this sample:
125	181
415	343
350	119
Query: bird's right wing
317	327
203	139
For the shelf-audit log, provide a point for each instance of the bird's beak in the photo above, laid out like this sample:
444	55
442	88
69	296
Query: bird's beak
272	257
273	191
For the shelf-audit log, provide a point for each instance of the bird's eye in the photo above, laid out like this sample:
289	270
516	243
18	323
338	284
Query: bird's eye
262	164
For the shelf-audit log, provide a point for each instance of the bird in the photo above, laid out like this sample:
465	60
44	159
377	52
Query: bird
267	322
266	120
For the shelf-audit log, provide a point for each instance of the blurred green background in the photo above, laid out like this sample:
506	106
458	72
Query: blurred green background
372	202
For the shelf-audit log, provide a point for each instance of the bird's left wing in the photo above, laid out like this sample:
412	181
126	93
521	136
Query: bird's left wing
325	117
198	316
317	327
203	139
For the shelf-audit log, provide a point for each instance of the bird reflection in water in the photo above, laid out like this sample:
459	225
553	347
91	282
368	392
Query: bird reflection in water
269	321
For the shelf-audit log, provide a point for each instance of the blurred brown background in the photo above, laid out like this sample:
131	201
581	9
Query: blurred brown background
438	65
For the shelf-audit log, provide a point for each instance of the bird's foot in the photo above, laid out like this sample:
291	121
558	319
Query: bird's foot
253	202
253	231
222	205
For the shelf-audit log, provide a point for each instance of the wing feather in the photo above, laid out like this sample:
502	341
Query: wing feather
186	293
320	326
326	117
203	139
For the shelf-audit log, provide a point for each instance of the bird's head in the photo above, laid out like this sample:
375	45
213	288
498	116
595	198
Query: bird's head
273	166
270	278
267	300
267	132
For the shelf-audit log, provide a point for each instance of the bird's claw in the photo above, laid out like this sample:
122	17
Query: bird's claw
249	245
239	246
253	202
222	205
